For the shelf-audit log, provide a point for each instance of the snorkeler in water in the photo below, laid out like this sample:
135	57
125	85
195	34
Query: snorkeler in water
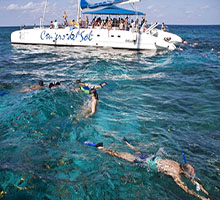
155	163
54	85
93	102
86	87
34	87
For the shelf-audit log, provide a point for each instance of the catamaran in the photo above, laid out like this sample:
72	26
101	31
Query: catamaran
111	37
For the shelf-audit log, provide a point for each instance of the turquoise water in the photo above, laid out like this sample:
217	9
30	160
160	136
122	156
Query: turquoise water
166	100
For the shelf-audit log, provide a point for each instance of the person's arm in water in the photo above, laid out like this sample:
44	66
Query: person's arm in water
75	89
131	146
25	90
101	85
181	184
201	187
35	87
32	87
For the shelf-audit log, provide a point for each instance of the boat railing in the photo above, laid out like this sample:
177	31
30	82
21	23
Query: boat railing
153	26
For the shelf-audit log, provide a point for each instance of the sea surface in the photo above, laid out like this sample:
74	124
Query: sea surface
165	103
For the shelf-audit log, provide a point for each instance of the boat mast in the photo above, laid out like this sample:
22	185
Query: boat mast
79	10
42	18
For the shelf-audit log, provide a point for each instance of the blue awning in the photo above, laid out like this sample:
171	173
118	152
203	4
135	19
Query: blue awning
114	10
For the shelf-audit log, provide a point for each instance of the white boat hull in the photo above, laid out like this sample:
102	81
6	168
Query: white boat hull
163	35
90	37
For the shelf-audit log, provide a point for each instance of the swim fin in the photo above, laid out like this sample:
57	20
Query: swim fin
88	143
126	140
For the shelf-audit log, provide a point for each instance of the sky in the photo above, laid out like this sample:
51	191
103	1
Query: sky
183	12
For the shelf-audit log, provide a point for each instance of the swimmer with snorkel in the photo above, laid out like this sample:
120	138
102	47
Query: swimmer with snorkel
93	95
155	163
34	87
86	87
54	85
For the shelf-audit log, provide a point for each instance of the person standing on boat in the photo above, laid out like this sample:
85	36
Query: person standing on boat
132	25
163	27
121	25
65	19
126	27
137	24
143	20
157	164
55	24
144	26
109	25
72	23
80	22
51	24
87	22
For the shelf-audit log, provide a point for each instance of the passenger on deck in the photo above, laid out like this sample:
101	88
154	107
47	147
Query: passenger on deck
121	25
144	26
55	24
137	24
163	27
126	25
132	25
80	22
106	20
114	23
142	21
109	24
72	23
102	24
51	24
87	22
65	19
93	20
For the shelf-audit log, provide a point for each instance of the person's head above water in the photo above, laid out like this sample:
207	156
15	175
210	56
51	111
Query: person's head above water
188	171
41	83
53	85
94	93
78	81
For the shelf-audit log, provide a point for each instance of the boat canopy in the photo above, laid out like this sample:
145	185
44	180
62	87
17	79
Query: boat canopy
114	10
84	4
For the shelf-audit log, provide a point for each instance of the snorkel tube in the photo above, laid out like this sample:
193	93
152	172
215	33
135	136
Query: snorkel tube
188	174
184	158
192	177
